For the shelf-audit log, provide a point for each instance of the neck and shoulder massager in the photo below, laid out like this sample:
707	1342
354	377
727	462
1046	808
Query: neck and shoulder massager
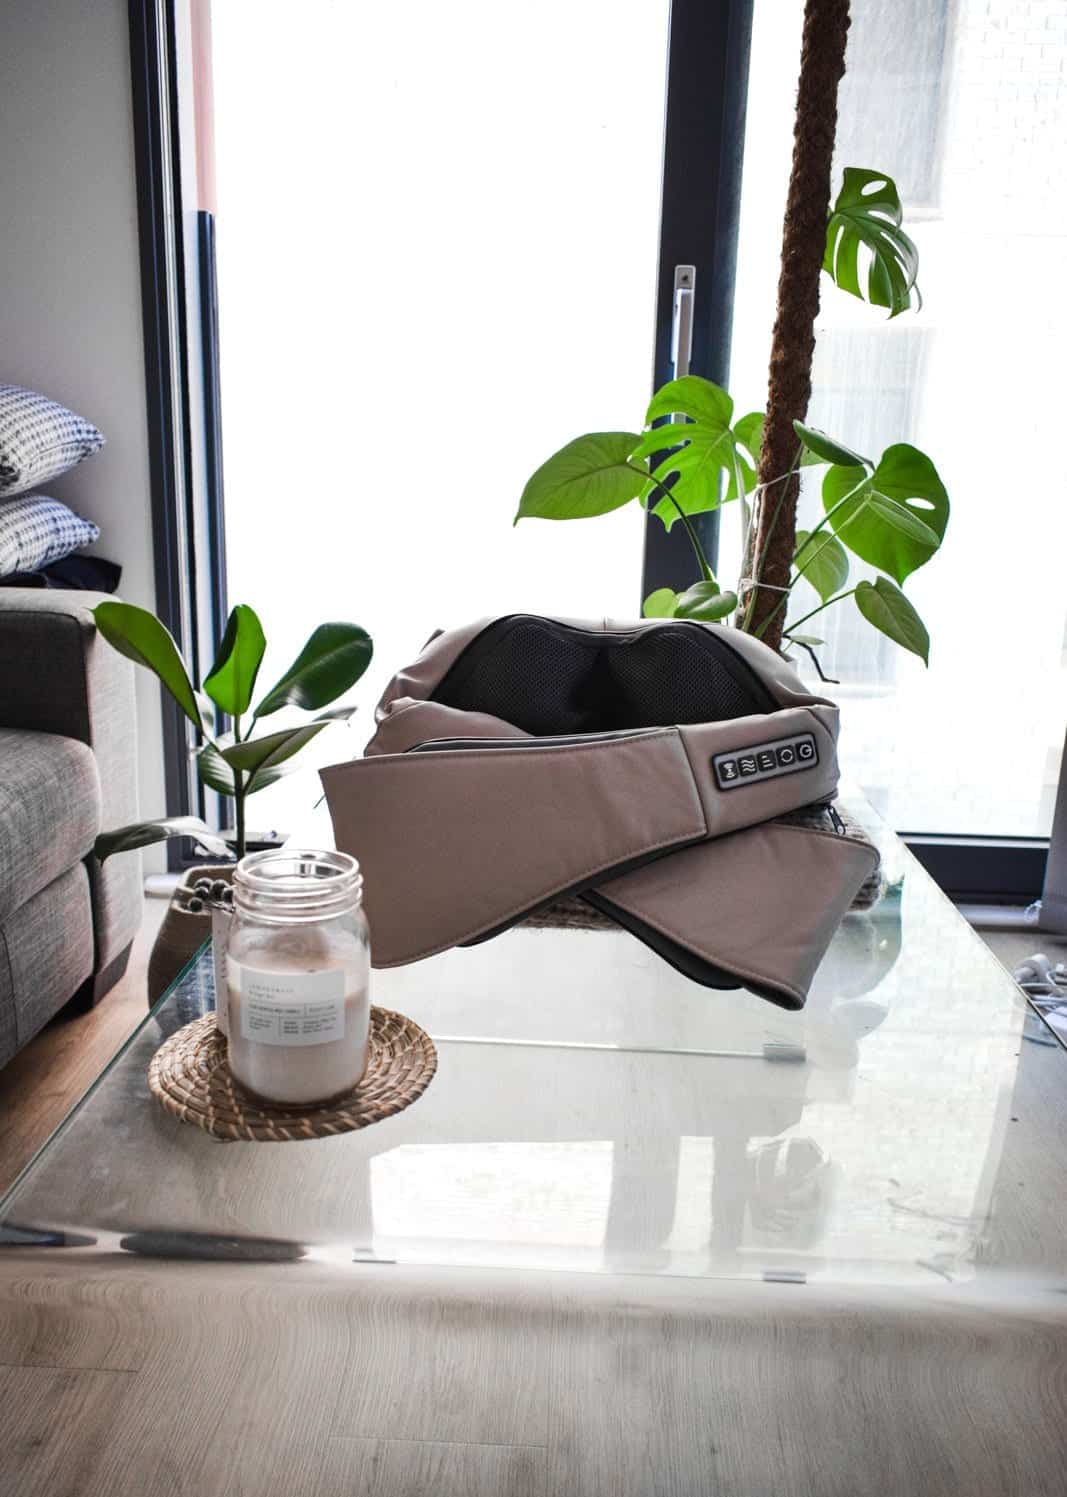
651	769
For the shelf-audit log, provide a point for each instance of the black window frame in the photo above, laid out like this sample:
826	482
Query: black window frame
703	155
708	53
187	534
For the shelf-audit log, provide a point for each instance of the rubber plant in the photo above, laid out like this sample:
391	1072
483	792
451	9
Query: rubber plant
889	511
237	763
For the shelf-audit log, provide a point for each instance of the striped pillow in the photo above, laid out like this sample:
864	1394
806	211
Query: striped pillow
39	439
35	531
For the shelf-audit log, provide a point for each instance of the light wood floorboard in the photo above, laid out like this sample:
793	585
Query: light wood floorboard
384	1468
758	1395
640	1387
98	1322
449	1367
56	1427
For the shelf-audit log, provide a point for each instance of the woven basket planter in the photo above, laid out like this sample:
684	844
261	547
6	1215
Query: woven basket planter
182	933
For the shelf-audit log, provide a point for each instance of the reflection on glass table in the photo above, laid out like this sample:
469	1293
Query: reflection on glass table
594	1110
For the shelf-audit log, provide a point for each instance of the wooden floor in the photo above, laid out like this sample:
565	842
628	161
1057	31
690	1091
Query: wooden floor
40	1086
124	1378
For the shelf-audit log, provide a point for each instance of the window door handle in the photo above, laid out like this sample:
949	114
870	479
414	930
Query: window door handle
682	322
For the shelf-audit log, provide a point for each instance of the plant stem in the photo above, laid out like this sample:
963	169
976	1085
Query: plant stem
239	808
758	563
837	598
828	516
784	599
702	561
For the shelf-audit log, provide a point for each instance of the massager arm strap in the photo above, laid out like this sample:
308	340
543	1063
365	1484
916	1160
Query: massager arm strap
478	832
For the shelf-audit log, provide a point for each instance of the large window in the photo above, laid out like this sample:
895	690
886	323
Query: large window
440	255
964	102
437	250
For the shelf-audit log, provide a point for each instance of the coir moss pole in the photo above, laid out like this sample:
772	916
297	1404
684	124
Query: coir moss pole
822	64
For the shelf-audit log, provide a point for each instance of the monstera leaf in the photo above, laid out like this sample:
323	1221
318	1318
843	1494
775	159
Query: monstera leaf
893	518
660	604
698	453
705	602
819	448
867	214
590	476
749	432
885	606
823	562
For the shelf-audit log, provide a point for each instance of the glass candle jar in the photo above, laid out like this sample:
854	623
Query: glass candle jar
298	969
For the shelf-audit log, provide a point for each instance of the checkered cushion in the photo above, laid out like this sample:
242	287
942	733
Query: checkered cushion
35	531
39	439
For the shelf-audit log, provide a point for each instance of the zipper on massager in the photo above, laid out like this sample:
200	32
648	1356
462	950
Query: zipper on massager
558	740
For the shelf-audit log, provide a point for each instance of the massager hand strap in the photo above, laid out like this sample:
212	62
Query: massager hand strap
461	837
708	910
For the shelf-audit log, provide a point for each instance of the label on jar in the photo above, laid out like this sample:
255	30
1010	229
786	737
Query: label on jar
290	1008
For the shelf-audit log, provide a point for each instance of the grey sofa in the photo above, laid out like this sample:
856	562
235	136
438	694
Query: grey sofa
68	767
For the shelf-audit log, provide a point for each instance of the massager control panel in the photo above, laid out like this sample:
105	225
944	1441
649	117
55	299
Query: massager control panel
765	761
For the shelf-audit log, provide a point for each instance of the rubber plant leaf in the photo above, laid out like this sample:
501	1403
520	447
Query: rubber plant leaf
256	755
139	635
588	477
883	604
232	679
867	217
334	658
214	772
893	518
145	833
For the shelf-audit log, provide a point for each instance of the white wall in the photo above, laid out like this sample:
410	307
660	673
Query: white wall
70	297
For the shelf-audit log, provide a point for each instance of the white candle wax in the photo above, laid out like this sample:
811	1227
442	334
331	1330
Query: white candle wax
298	1028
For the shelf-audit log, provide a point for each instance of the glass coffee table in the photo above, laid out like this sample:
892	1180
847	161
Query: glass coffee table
595	1111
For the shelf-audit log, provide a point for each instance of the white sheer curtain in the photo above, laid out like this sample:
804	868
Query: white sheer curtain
964	103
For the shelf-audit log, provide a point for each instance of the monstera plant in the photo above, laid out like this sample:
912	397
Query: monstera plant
239	762
890	512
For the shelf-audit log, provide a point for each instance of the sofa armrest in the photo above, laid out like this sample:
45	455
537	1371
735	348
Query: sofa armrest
57	675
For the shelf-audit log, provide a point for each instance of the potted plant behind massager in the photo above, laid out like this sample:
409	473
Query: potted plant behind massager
240	763
890	513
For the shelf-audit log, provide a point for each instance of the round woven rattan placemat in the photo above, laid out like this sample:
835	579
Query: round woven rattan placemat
190	1076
